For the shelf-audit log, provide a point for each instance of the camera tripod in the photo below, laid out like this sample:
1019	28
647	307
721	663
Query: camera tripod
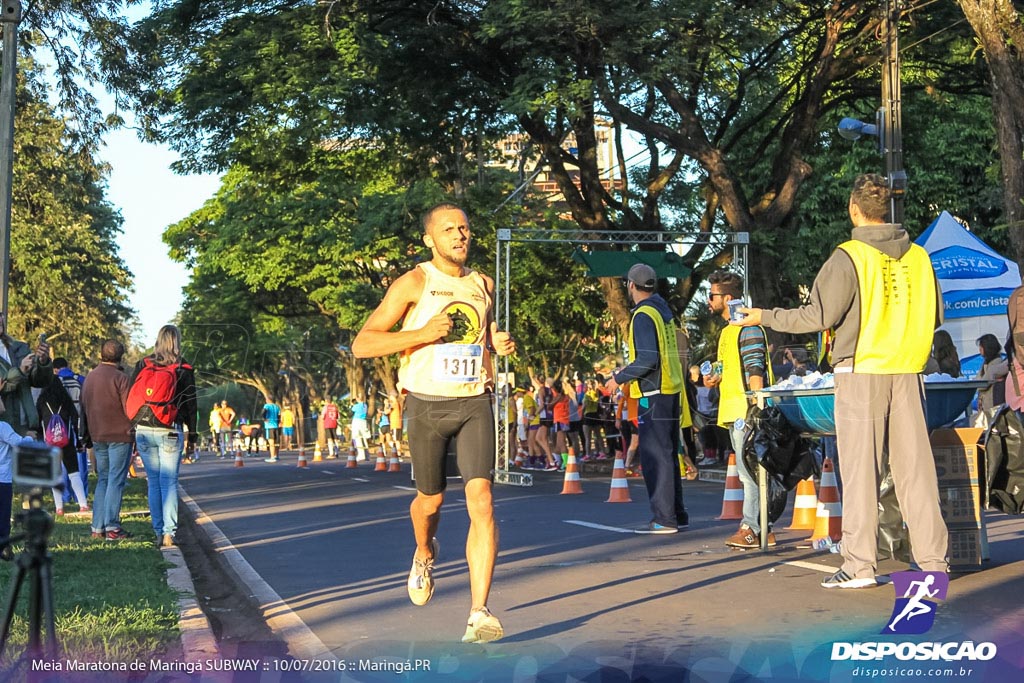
36	562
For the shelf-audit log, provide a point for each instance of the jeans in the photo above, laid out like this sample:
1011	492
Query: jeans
751	499
112	460
224	441
160	450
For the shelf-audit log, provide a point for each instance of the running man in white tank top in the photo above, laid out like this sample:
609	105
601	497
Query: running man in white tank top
446	340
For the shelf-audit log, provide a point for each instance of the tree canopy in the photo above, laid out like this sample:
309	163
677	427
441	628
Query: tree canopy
66	278
336	119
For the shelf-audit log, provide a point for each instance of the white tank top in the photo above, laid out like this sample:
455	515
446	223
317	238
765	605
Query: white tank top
459	364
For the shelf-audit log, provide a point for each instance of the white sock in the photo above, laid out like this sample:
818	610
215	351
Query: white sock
58	498
79	488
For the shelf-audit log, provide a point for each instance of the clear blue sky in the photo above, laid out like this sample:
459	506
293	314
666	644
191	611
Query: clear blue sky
151	197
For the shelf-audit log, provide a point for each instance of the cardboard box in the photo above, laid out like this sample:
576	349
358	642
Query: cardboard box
960	504
956	455
965	547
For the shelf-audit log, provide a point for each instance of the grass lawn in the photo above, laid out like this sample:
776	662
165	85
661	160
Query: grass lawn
111	599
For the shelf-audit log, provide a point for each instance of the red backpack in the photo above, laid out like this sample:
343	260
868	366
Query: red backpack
154	387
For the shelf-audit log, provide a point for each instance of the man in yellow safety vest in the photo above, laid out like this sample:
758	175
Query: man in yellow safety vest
878	290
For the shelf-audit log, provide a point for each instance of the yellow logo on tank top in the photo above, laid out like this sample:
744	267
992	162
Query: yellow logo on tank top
465	324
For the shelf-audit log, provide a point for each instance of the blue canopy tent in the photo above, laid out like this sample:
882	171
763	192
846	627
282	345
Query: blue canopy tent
976	284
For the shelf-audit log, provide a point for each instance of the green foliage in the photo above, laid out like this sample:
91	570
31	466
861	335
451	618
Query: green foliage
733	102
66	277
97	618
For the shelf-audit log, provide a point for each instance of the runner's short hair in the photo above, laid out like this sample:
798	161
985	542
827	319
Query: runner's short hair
442	206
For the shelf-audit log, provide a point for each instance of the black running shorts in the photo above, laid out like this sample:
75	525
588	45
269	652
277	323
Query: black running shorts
433	424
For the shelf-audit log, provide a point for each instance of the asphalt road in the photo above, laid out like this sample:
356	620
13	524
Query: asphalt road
579	595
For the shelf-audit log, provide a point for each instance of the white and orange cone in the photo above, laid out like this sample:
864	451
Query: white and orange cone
394	465
732	499
571	484
351	464
239	459
805	506
619	492
382	462
302	457
829	521
317	454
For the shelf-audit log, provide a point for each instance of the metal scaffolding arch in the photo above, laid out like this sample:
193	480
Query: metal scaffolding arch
739	241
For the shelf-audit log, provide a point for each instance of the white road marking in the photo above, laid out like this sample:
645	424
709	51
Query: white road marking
404	488
360	479
812	565
601	527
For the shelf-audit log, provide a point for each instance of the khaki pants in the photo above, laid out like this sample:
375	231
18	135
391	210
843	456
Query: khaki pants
880	416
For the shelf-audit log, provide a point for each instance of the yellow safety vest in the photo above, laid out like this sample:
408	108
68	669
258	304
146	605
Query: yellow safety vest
671	381
732	402
897	309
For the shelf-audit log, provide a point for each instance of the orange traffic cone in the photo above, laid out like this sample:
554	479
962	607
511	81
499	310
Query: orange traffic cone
519	459
829	521
393	464
351	464
620	486
302	457
571	484
382	462
317	455
732	499
805	506
239	459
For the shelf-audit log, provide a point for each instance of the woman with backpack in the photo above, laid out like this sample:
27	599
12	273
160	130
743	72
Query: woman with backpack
161	400
58	420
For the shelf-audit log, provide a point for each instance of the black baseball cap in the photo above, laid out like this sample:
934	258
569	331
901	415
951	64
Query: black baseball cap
643	276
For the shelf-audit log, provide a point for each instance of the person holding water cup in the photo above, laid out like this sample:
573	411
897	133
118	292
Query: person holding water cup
742	366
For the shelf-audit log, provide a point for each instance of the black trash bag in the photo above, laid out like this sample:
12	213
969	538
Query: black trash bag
780	448
893	537
778	494
1004	462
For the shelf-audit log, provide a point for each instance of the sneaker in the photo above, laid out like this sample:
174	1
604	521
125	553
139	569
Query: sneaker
843	580
84	508
421	576
551	468
483	627
744	538
59	512
167	541
771	539
269	459
117	535
98	534
655	528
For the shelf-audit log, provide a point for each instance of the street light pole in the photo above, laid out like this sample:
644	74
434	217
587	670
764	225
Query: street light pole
892	112
10	17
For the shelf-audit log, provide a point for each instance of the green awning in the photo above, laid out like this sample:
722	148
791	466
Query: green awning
618	263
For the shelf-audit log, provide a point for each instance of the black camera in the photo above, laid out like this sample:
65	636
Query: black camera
37	464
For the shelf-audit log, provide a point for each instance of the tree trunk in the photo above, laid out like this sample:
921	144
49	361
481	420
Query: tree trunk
1000	31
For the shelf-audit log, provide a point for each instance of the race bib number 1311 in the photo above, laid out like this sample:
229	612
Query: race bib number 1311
458	362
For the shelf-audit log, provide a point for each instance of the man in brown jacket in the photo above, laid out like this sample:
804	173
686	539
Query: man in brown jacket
103	401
